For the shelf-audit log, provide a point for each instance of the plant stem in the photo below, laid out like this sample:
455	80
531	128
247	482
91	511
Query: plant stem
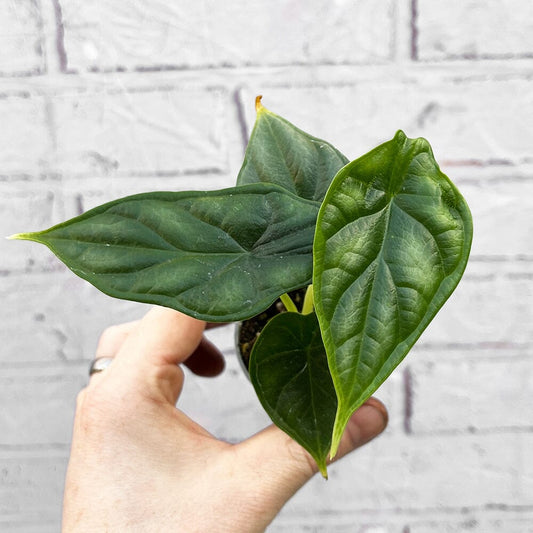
309	301
288	303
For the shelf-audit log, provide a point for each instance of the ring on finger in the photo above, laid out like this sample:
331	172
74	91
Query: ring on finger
99	365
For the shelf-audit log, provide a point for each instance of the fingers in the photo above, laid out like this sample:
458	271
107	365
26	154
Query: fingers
162	337
206	360
213	325
284	466
113	338
147	354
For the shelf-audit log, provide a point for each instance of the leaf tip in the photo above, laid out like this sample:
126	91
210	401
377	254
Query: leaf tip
419	144
32	236
258	105
400	137
18	236
334	448
323	470
423	145
341	421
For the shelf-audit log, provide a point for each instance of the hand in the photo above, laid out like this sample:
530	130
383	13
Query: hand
139	464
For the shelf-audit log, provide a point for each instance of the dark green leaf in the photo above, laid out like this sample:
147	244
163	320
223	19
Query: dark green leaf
220	255
280	153
289	370
392	242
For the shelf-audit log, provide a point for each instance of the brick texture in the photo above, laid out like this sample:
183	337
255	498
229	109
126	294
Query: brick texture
130	131
467	121
103	99
177	35
30	137
21	39
474	30
464	395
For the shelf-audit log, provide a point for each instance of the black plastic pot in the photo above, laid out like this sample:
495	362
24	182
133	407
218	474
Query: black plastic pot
247	331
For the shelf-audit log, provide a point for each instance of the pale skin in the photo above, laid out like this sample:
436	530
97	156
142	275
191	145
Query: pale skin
138	464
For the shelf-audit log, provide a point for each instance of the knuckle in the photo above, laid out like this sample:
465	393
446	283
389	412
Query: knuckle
108	336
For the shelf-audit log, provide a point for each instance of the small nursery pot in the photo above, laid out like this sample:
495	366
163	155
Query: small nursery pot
247	331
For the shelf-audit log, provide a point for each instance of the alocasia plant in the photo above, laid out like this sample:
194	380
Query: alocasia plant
380	243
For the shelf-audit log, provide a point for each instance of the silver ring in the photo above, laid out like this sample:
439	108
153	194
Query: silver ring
99	364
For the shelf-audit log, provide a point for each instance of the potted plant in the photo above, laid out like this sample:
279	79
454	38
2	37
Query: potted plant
375	245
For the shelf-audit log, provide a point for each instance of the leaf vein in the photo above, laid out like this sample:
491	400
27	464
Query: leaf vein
428	231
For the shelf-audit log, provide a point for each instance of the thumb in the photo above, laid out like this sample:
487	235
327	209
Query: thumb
283	466
369	421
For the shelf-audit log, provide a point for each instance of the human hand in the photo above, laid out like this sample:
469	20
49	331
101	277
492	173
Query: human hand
139	464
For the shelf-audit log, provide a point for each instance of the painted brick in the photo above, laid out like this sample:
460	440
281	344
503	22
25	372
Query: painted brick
41	405
96	191
29	300
342	524
466	121
474	29
502	225
472	394
473	314
512	521
31	488
21	39
62	314
37	526
27	209
156	34
451	521
425	473
25	138
164	130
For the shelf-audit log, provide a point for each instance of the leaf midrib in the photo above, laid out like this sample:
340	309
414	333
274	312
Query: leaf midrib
379	258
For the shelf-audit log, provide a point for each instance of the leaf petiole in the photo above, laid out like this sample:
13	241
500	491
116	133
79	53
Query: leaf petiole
286	300
309	301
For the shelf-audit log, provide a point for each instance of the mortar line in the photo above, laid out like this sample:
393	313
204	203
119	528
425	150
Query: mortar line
243	128
408	400
414	30
60	37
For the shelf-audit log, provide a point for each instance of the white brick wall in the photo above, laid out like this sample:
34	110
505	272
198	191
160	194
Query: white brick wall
103	99
21	39
494	29
105	36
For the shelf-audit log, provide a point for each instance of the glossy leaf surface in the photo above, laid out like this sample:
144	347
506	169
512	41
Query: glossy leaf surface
280	153
219	255
392	242
290	374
